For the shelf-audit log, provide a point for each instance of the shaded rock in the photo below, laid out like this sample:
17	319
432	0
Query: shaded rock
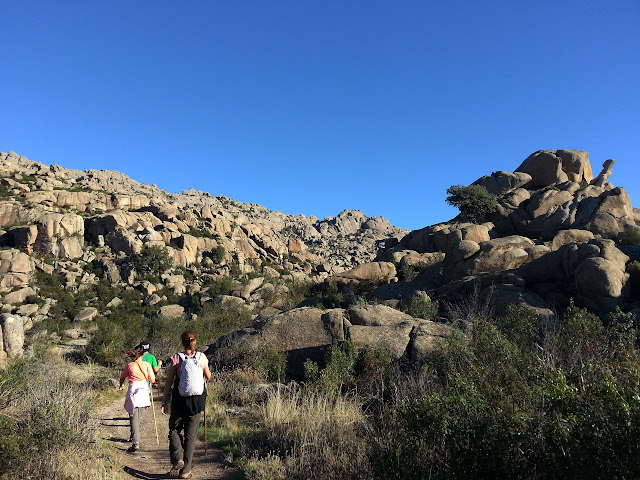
425	338
545	168
575	163
565	237
19	296
122	240
500	183
607	169
600	282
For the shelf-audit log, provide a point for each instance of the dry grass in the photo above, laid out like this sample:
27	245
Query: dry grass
51	429
316	435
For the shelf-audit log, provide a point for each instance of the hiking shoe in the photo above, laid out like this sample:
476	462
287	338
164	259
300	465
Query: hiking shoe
185	475
133	448
175	469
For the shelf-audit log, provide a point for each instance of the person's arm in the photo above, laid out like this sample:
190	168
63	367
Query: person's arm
156	369
205	367
152	377
168	382
123	377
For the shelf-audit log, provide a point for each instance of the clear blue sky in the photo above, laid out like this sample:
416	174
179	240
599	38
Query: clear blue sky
316	106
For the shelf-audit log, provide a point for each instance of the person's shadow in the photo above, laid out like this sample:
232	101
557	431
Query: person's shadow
143	475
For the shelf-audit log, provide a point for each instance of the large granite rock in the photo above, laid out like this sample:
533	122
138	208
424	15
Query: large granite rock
16	268
12	334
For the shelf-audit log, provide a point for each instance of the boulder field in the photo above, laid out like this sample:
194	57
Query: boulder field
553	237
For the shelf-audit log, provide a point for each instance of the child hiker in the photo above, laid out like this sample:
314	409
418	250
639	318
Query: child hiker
140	375
148	357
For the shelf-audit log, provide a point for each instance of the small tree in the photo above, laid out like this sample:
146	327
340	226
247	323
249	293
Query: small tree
153	261
474	201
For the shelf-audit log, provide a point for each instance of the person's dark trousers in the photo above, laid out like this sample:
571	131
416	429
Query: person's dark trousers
183	435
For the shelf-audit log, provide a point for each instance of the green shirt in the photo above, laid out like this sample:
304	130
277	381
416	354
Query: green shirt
150	359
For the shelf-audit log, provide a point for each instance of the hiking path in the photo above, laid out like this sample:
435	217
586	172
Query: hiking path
152	460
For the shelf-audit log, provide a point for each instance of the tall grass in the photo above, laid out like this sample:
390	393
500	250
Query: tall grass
46	422
316	434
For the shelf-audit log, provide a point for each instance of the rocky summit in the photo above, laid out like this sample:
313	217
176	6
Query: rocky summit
555	233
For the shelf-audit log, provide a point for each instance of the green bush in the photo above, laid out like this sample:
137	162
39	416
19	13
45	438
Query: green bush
629	236
218	254
341	361
423	307
505	403
272	364
152	261
50	431
106	344
219	286
474	202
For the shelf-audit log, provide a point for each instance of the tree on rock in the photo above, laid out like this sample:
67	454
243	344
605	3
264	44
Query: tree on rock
153	261
474	201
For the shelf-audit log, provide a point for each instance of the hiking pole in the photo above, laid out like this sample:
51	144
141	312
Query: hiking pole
154	416
205	427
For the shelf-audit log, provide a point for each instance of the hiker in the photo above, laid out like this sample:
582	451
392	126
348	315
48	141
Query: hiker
148	357
185	388
140	375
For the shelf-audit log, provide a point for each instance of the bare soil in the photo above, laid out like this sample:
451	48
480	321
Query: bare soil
152	460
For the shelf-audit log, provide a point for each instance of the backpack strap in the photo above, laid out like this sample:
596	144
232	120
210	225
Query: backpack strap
140	368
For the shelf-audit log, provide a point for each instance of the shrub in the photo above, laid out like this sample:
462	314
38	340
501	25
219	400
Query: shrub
106	344
423	307
218	254
219	286
49	432
152	261
341	361
629	236
272	364
474	202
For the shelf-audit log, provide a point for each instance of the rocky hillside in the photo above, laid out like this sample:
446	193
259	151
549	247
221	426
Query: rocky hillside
548	233
88	226
555	234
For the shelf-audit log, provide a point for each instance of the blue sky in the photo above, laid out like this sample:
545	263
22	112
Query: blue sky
313	107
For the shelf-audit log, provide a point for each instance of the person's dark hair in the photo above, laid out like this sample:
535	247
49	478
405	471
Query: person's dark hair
188	340
134	353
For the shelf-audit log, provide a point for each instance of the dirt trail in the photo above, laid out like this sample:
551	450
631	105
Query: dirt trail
152	460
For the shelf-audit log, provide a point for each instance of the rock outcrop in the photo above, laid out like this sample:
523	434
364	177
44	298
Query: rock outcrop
549	241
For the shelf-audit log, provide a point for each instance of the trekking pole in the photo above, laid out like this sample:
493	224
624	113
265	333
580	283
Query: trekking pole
154	416
205	427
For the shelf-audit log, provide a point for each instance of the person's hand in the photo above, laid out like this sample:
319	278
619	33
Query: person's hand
121	387
165	409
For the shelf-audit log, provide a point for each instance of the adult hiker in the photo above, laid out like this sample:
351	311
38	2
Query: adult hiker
148	357
140	375
185	388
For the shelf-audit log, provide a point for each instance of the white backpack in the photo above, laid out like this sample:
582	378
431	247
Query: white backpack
191	376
